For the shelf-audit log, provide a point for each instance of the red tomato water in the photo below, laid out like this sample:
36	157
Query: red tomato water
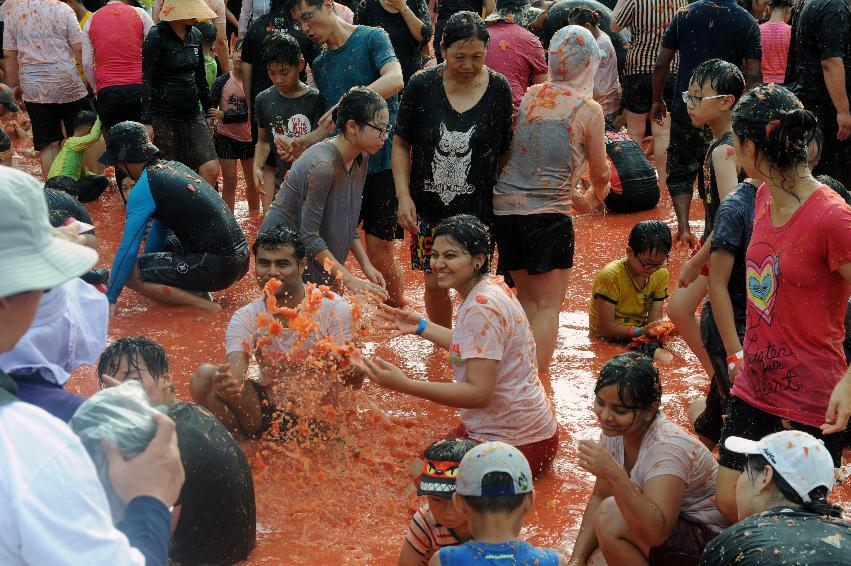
350	501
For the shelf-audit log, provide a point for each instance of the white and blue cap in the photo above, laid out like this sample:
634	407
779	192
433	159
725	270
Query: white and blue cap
493	457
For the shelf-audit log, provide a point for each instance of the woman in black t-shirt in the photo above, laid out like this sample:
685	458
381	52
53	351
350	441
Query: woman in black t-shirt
454	126
408	23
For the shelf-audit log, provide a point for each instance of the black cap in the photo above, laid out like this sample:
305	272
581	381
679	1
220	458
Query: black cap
128	142
7	99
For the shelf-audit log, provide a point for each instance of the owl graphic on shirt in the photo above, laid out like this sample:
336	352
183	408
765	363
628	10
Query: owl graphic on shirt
451	164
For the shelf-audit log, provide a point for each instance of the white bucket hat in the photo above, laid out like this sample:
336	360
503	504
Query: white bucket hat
30	257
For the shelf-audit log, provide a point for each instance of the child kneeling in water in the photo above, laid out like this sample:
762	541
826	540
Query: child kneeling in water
494	492
628	293
437	523
491	349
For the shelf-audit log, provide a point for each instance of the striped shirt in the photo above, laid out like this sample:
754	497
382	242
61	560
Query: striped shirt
426	536
647	20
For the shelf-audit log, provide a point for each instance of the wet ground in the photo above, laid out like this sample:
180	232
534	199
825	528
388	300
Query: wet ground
350	502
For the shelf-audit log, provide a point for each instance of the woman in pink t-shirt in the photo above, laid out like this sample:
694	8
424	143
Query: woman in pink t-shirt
776	34
491	349
792	371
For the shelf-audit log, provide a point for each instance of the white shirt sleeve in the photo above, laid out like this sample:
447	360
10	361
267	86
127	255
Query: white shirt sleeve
147	22
57	509
245	15
89	56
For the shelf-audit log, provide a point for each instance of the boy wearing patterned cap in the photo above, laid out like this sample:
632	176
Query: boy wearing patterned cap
494	492
436	523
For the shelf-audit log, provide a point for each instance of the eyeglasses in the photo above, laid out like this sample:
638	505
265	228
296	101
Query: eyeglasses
688	98
382	132
305	17
650	266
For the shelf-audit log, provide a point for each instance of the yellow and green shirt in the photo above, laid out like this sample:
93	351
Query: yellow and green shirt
632	306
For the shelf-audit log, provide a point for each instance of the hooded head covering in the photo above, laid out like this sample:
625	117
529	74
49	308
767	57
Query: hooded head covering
69	330
574	58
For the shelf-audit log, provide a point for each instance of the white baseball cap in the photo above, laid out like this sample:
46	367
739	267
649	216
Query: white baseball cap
493	457
31	257
800	458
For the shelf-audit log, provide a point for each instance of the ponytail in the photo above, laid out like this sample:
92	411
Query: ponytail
817	503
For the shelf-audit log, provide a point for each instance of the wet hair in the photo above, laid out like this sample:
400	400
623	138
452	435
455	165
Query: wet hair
471	234
134	348
818	496
281	48
449	449
208	32
84	118
360	104
495	482
464	26
277	236
781	4
723	77
582	15
774	120
289	5
837	187
650	236
636	378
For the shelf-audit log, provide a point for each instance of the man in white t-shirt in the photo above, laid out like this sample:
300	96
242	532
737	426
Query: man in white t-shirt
53	508
310	328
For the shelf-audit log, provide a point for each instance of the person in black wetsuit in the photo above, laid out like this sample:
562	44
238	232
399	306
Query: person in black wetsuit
210	253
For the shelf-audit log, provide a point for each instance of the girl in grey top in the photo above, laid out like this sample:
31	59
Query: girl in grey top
321	196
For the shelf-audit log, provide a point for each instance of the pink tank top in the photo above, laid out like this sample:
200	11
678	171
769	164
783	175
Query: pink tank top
117	32
775	50
233	99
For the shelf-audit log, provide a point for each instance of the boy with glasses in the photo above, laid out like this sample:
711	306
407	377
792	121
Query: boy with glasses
627	294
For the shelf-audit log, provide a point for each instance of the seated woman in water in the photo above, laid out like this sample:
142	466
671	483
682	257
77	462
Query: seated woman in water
671	515
782	505
491	349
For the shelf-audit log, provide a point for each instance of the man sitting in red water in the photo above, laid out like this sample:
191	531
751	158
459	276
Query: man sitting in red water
249	407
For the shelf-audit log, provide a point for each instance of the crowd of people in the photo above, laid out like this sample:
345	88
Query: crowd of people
476	130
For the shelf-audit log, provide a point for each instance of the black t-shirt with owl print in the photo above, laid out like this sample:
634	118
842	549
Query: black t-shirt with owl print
454	154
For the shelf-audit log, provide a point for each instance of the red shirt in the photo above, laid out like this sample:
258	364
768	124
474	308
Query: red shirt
515	52
796	302
775	51
117	32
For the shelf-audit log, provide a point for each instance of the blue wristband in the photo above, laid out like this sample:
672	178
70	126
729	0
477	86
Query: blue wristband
421	327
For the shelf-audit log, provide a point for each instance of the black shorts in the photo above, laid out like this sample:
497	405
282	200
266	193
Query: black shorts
637	94
197	272
277	424
229	148
119	103
48	119
537	243
686	154
379	206
746	421
188	142
684	545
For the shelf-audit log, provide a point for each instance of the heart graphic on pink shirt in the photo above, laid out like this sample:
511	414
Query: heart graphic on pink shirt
762	285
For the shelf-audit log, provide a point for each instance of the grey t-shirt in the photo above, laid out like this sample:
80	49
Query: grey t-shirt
667	449
293	117
322	200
